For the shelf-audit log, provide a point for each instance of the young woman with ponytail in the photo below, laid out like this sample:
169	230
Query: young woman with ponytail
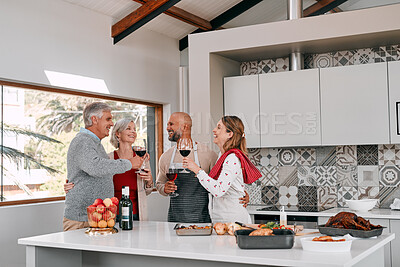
233	169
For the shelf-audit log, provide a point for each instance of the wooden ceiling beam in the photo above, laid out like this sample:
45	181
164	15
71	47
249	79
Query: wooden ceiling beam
337	10
189	18
139	17
321	7
184	16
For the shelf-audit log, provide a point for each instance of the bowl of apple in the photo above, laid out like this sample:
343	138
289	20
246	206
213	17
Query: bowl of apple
102	213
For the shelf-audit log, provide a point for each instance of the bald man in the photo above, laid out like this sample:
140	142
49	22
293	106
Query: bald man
191	204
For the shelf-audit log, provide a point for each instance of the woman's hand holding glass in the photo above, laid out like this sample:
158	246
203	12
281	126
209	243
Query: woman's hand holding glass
188	163
147	177
137	162
245	199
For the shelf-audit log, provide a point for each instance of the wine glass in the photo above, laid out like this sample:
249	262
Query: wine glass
172	174
140	149
185	146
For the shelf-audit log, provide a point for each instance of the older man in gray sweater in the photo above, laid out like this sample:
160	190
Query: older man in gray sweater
89	167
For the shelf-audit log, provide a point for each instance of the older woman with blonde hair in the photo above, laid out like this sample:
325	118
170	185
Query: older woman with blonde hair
123	136
233	169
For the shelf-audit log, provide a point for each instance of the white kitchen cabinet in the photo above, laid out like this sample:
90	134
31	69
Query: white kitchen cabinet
354	105
290	108
395	244
241	98
387	249
394	101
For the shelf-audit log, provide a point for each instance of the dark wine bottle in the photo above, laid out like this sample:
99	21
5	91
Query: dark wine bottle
125	210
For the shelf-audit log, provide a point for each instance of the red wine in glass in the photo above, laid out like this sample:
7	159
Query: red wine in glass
140	153
184	153
184	146
172	175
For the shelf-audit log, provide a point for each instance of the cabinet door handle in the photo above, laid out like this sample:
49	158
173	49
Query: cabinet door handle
397	117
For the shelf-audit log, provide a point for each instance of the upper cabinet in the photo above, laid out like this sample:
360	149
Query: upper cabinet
394	101
241	98
354	105
332	106
290	109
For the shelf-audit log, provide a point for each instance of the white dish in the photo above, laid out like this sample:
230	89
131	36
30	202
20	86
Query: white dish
362	204
320	246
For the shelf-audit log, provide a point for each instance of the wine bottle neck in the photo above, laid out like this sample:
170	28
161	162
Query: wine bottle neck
125	191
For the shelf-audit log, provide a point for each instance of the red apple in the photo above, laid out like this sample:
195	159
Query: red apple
100	208
115	201
108	215
96	216
91	209
107	202
98	201
113	208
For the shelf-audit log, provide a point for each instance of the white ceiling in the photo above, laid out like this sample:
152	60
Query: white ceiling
264	12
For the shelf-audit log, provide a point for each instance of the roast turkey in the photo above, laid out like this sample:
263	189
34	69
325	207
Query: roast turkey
349	220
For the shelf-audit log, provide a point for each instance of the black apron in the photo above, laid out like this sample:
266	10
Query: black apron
191	206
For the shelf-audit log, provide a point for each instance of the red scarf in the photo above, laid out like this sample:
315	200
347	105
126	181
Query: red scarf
250	172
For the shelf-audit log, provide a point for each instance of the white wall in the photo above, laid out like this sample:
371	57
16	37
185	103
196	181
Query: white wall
56	36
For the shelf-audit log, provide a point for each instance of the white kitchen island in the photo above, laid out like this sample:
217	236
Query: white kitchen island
156	244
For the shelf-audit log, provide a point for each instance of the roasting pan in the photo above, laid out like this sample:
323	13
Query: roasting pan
332	231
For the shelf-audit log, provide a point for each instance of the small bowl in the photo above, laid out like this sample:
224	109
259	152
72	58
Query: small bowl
362	204
320	246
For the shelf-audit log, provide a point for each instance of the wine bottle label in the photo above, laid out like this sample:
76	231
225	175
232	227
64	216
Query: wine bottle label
125	214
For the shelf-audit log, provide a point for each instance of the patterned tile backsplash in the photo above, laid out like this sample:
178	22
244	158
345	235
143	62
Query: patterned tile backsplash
326	176
335	174
326	60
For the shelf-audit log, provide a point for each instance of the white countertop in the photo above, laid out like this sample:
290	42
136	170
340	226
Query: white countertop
372	214
155	239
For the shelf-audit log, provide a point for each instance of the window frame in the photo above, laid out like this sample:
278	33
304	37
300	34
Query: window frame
61	90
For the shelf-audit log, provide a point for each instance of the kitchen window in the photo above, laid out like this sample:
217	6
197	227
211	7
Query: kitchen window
37	126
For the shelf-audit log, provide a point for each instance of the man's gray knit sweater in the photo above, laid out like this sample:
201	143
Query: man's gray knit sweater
91	170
